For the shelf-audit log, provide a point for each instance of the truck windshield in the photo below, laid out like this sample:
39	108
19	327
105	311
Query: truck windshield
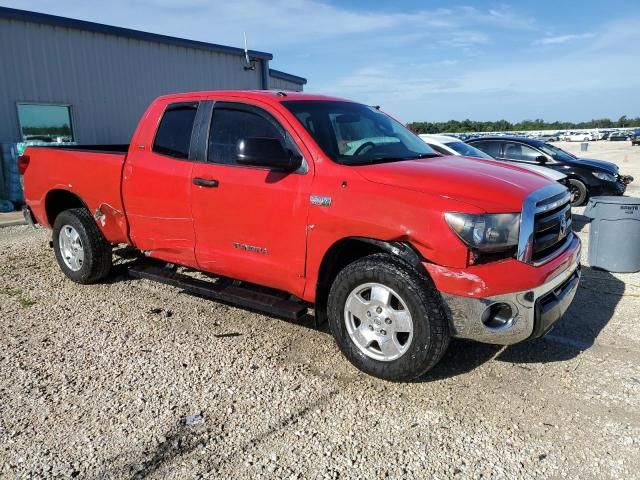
355	134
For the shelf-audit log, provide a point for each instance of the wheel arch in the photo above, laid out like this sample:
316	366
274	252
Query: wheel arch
349	249
58	200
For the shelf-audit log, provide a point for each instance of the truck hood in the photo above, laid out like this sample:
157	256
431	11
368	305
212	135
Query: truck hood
598	164
489	185
547	172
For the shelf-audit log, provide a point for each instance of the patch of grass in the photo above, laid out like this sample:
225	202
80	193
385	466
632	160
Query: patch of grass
12	292
26	302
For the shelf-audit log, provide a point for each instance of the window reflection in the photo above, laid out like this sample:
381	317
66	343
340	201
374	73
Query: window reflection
45	123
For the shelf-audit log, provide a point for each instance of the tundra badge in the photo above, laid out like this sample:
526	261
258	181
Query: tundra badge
250	248
320	201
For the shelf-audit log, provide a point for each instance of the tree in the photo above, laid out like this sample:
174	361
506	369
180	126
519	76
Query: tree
455	126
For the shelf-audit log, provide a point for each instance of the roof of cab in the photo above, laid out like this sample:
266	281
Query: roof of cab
272	96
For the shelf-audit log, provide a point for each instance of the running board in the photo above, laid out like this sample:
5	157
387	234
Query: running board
235	294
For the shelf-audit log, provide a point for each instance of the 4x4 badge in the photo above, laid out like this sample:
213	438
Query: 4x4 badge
320	201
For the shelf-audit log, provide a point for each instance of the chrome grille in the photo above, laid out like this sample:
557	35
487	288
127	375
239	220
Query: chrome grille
545	225
550	230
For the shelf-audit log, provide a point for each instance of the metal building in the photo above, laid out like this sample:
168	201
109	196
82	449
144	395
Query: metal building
69	80
108	75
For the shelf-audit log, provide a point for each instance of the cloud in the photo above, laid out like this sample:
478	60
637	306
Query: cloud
560	39
619	34
406	58
504	18
285	22
405	91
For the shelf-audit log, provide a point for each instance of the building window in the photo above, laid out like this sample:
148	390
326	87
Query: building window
45	123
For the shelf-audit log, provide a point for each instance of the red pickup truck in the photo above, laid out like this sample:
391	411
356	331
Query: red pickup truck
296	200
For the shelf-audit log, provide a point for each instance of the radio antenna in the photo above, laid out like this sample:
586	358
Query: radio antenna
250	65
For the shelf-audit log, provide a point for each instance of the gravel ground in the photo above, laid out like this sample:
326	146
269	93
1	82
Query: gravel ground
96	381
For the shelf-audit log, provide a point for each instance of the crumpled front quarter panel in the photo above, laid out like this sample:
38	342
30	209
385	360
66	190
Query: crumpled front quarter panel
360	208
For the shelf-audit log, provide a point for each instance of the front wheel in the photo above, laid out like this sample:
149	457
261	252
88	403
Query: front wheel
82	252
578	192
387	318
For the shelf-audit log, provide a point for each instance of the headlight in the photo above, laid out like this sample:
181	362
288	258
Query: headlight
607	177
486	232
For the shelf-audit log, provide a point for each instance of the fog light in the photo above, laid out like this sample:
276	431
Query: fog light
497	315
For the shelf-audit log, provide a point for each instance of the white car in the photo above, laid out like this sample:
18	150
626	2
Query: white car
579	137
446	145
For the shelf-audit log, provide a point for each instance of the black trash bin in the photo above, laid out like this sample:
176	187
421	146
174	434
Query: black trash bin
614	236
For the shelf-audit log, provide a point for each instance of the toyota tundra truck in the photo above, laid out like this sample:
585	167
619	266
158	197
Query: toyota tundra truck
291	201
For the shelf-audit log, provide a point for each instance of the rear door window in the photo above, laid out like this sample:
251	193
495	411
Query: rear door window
173	137
521	152
490	147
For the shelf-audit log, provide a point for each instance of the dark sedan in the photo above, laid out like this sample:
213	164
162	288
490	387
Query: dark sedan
618	137
586	177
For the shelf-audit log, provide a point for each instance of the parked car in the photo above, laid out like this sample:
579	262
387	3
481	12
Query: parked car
578	137
452	146
586	177
618	136
600	134
635	137
398	247
549	137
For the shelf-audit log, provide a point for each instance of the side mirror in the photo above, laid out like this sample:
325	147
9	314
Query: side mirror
266	152
541	159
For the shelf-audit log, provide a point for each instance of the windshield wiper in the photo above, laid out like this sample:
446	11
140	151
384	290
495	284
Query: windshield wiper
400	159
370	161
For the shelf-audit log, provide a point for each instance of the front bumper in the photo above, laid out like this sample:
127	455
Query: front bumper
626	179
534	311
609	188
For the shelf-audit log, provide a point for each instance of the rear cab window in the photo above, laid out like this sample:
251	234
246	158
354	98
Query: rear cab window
173	137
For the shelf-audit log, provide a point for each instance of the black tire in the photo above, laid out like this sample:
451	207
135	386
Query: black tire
97	251
579	193
430	326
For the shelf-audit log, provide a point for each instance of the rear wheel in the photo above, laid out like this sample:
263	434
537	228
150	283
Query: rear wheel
578	192
387	318
82	252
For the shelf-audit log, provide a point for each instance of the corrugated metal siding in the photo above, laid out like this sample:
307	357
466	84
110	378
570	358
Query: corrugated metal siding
279	84
11	188
108	80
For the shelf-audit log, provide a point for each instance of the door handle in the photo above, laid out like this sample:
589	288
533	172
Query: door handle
203	182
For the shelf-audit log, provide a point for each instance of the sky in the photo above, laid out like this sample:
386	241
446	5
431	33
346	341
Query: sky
419	60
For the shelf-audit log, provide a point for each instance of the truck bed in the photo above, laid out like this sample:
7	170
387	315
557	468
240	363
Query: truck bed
91	172
113	148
